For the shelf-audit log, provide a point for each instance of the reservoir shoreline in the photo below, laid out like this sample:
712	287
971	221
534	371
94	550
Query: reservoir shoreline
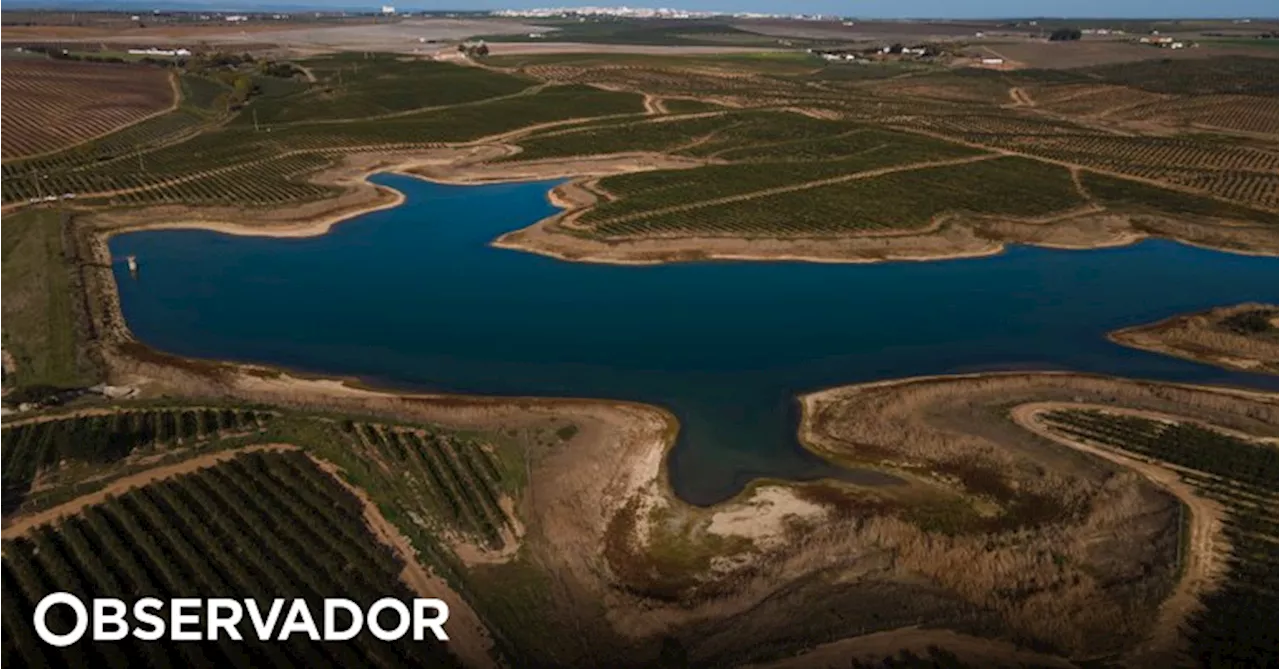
317	383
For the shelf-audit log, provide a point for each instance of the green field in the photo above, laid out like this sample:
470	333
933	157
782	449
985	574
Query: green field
262	525
353	86
78	455
41	331
1237	626
1008	186
1132	195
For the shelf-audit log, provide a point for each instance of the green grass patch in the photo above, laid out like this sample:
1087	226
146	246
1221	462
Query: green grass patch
40	330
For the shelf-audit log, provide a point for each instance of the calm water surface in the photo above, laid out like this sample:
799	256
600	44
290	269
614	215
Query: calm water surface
415	297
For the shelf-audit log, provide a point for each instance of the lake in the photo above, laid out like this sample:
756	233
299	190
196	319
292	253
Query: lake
413	297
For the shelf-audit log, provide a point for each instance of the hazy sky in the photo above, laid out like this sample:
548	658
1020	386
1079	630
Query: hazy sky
858	8
914	8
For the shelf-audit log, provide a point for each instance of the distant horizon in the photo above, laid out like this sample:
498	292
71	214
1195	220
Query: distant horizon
1117	10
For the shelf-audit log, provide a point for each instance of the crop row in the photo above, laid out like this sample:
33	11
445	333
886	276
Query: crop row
251	163
1126	194
458	478
657	193
998	124
53	104
260	526
650	135
1238	623
1008	186
352	88
34	447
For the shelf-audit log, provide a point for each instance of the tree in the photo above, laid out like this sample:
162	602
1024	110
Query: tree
1065	35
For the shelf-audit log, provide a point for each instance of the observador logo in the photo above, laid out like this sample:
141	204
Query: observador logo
217	619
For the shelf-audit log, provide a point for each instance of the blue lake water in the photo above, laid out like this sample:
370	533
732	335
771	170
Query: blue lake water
414	297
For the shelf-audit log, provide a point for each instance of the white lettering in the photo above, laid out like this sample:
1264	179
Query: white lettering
142	611
440	613
219	618
109	612
331	607
375	625
299	620
77	631
178	618
264	629
227	624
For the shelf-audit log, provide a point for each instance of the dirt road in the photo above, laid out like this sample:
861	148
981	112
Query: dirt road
1203	565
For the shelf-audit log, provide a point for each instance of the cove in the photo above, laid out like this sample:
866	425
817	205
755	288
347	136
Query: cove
413	297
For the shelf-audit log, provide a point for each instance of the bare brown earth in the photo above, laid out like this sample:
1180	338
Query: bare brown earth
941	419
19	525
1086	52
1203	565
1202	337
56	104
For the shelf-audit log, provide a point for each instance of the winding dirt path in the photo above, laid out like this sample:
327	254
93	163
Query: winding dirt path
468	637
1203	564
20	525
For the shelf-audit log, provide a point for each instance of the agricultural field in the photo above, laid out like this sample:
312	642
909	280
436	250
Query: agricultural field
55	104
43	334
838	200
459	481
52	451
1238	624
357	86
261	525
259	168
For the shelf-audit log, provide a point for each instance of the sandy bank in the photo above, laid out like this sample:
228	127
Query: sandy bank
1202	337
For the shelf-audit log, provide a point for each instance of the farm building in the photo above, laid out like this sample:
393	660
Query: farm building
993	61
169	53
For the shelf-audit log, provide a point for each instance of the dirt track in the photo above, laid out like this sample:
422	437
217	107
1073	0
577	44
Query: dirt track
1203	565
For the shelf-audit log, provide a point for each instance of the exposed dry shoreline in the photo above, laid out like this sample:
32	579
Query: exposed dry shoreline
934	419
1200	337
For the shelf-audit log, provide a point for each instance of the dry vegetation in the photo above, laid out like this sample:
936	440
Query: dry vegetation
1241	337
56	104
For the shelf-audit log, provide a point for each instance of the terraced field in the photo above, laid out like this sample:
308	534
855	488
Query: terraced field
55	104
262	525
1238	624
